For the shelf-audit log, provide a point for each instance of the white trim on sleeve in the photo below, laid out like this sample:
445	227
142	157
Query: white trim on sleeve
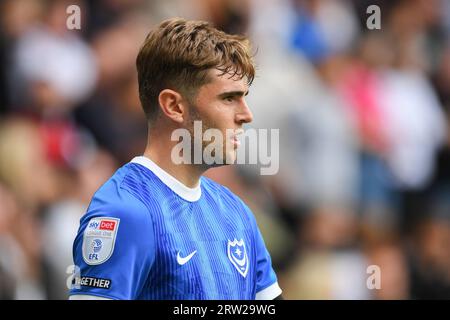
269	293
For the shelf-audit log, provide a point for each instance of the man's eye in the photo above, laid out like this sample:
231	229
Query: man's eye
229	99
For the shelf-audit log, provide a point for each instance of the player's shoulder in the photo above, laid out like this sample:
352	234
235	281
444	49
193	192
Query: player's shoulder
112	199
115	219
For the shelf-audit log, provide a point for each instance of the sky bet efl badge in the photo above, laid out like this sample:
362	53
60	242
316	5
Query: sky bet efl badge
99	239
238	256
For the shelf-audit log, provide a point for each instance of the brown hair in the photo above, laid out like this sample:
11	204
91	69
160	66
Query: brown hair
178	54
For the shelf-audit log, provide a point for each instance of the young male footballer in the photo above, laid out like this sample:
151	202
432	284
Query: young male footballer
158	229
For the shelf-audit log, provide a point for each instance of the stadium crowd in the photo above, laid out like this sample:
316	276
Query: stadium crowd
364	147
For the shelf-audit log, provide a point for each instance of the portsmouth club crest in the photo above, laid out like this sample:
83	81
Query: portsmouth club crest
238	256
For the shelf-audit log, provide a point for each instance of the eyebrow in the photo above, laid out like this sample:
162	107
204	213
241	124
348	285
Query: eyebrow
233	94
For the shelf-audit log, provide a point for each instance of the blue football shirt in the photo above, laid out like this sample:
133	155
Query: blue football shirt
147	236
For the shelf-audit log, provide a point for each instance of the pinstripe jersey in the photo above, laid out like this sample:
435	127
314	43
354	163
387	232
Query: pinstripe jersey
147	236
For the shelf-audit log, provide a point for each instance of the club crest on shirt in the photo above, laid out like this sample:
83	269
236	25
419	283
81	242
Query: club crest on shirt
99	239
238	256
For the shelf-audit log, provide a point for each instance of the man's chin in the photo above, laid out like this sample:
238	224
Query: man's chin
230	160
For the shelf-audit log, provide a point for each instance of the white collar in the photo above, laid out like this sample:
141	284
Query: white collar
189	194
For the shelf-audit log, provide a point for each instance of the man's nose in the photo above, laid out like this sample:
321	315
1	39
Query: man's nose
244	114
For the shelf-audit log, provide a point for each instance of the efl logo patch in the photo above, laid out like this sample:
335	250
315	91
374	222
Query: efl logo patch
99	239
238	256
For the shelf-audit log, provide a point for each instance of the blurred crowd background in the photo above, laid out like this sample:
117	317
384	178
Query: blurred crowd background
364	141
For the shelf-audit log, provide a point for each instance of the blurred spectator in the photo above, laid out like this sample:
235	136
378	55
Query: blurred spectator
123	128
428	251
53	63
29	184
389	257
327	275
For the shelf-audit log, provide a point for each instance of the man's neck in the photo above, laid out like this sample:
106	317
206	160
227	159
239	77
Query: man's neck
187	174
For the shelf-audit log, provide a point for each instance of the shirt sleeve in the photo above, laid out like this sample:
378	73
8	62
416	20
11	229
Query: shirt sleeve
267	287
114	249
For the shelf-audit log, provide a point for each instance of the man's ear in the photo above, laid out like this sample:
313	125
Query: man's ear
170	104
